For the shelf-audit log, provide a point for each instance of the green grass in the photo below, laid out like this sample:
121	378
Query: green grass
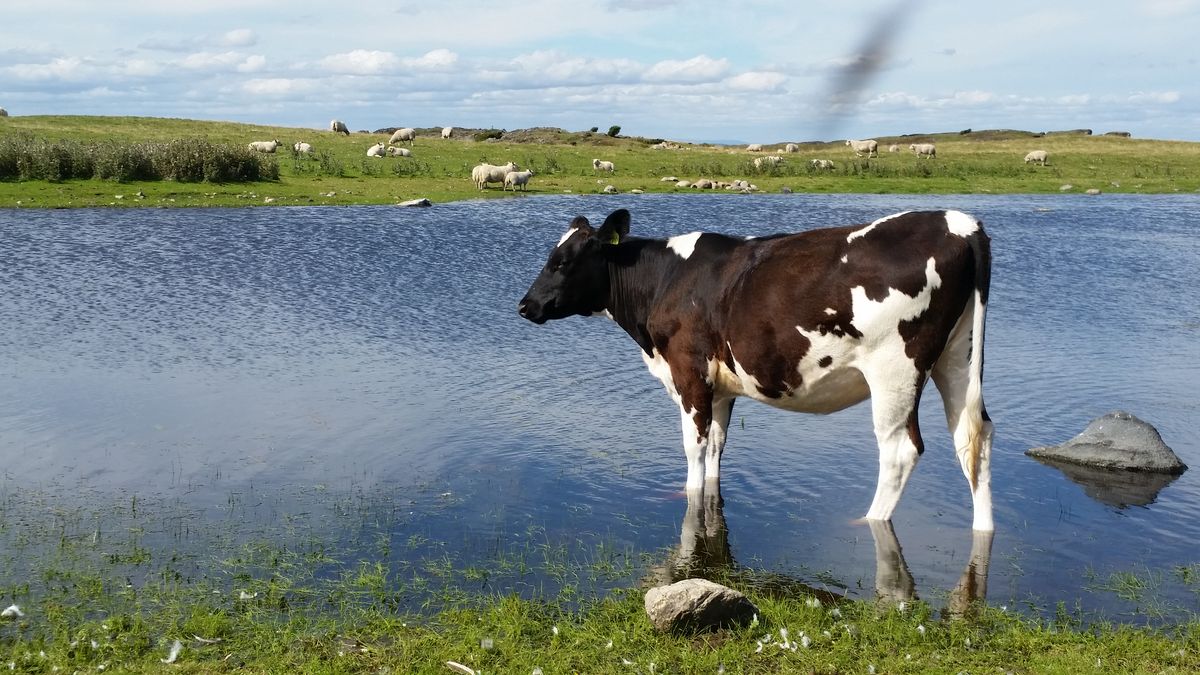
340	173
113	586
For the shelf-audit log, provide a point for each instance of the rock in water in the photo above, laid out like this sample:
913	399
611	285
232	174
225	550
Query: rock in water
1116	441
696	605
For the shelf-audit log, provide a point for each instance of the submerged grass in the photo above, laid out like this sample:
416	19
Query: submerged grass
339	172
115	587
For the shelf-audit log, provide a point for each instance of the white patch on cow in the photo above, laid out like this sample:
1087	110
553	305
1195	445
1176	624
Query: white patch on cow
684	245
845	259
879	318
603	313
829	389
736	382
830	311
862	232
659	368
961	224
566	235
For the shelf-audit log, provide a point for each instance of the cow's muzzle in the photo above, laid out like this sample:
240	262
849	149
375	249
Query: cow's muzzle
531	310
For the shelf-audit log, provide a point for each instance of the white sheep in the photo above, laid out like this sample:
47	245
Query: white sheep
377	150
447	132
869	146
703	184
791	147
405	134
264	146
821	164
1038	156
893	148
924	149
339	127
490	173
393	151
515	178
754	147
598	165
302	147
767	161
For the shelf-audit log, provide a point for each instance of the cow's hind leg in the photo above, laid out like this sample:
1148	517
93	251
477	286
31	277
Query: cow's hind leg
968	422
722	409
894	397
696	443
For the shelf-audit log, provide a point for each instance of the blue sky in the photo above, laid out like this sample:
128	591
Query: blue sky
744	71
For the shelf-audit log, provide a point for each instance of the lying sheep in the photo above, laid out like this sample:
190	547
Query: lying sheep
754	147
515	178
490	173
393	151
405	134
869	146
791	147
599	165
447	132
821	164
339	127
1038	156
377	150
924	149
302	148
767	162
264	146
893	148
703	184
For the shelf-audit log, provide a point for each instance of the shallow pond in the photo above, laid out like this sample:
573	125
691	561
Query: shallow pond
361	374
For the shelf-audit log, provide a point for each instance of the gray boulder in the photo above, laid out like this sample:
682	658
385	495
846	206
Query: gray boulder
697	605
420	203
1116	441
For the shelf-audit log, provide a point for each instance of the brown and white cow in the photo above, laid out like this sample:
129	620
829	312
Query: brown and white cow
812	322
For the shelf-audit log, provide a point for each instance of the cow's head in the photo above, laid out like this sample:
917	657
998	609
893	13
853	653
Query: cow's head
575	278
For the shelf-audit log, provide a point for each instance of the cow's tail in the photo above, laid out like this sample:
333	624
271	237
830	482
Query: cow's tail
976	414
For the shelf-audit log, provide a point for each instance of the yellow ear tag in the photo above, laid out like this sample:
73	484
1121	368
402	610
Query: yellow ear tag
616	238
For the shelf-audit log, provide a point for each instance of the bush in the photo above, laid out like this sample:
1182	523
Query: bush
24	157
614	130
489	133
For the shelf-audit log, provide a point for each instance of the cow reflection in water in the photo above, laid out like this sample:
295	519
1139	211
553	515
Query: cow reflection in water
704	551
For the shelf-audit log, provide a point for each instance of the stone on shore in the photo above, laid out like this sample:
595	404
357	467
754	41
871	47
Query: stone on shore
697	605
1116	441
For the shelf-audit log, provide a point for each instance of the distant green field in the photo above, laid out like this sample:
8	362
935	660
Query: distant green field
339	172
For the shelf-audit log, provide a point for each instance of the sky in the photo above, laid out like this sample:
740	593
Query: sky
743	71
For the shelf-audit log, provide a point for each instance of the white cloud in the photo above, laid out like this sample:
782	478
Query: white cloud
696	69
252	64
241	37
361	62
436	60
211	60
756	81
69	68
279	86
1154	97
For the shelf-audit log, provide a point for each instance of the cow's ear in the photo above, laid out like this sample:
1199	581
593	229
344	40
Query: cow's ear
615	227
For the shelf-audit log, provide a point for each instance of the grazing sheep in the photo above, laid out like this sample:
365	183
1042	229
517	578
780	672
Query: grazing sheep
447	132
490	173
924	149
302	147
515	178
377	150
754	147
821	164
264	146
791	147
1038	156
869	146
393	151
598	165
893	148
339	127
767	162
405	134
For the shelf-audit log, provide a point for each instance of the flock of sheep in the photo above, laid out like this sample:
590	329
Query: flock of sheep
509	175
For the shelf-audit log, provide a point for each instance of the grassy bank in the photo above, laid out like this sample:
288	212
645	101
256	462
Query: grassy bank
339	172
114	585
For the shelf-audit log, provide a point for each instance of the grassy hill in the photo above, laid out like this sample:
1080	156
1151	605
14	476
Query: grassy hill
339	172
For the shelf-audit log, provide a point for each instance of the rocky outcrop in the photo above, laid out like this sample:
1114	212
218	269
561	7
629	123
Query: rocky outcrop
697	605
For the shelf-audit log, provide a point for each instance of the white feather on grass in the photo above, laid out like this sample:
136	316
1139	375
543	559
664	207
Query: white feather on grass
12	612
176	648
458	667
